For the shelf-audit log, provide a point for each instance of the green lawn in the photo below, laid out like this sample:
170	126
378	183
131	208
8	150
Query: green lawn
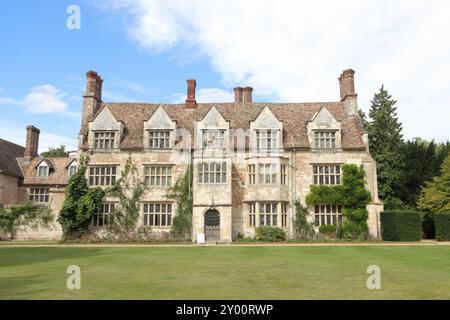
413	272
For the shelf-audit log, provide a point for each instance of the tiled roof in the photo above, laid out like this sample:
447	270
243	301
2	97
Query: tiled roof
294	116
9	152
58	173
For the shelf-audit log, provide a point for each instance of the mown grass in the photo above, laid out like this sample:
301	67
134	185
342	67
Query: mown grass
412	272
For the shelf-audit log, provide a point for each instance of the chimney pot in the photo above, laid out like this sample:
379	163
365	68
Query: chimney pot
247	94
190	101
347	84
238	91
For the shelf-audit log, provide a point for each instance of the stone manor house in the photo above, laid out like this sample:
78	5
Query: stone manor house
250	161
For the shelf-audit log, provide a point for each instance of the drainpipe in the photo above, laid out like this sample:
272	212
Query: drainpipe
293	190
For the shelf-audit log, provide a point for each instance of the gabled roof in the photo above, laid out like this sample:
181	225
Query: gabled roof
58	176
9	152
294	116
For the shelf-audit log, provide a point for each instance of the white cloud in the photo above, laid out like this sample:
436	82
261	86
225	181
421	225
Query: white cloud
294	50
206	96
44	99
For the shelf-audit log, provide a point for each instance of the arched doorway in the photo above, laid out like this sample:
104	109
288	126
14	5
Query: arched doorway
212	225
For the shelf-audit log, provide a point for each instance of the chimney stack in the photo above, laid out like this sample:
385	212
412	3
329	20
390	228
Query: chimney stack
191	103
92	98
247	94
347	84
32	142
238	94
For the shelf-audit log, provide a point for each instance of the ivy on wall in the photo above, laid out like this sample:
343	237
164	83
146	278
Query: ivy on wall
352	195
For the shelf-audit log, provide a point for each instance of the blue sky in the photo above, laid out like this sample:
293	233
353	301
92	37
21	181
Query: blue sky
145	51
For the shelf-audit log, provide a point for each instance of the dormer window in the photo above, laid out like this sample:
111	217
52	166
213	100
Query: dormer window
72	169
43	170
266	139
213	139
325	139
104	139
159	139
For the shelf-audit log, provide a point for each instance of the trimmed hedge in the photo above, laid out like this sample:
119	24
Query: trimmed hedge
270	234
442	223
401	226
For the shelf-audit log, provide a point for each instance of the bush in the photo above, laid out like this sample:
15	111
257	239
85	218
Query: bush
401	225
328	229
270	234
442	224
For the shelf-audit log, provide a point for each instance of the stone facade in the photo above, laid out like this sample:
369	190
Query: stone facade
250	161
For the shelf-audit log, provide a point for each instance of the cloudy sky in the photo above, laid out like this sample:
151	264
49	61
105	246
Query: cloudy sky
287	50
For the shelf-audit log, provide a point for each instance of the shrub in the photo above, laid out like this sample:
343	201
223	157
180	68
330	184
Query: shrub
401	225
442	223
328	229
270	234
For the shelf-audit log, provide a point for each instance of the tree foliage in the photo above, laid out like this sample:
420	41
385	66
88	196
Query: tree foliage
386	142
59	152
304	230
435	196
80	204
26	214
128	189
181	192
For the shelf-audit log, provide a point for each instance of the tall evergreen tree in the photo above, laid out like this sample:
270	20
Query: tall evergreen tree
386	142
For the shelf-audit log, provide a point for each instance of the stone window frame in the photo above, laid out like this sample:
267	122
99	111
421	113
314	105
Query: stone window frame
204	170
211	133
270	175
73	166
283	174
267	139
268	217
104	139
326	214
166	176
102	179
100	219
325	139
284	214
252	214
251	171
325	173
43	170
39	194
153	214
156	136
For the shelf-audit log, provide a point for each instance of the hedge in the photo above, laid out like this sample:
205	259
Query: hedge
401	226
270	234
442	224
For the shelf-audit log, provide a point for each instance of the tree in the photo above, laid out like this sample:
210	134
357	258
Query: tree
181	192
129	190
56	152
386	141
26	214
435	196
80	204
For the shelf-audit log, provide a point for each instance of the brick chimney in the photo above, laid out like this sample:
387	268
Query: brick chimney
92	98
191	103
238	94
247	94
347	89
32	142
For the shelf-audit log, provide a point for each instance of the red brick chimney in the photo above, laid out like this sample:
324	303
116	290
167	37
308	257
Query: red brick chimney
191	103
32	142
92	98
238	94
347	84
247	94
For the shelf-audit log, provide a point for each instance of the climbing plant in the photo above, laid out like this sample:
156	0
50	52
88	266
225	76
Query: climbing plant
181	192
352	195
26	214
304	230
80	204
128	189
